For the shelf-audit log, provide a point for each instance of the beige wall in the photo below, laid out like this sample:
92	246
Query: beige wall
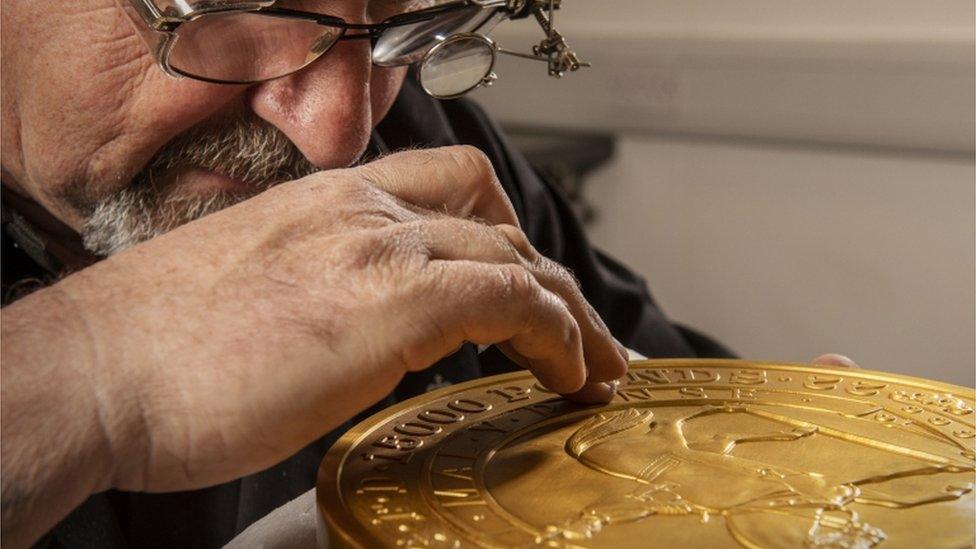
794	177
786	253
823	18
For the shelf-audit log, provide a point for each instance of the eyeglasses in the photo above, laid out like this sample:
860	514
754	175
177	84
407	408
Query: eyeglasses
242	42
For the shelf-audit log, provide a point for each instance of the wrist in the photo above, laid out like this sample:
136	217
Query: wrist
111	377
55	446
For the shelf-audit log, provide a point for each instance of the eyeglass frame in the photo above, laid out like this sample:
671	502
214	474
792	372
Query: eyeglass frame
160	31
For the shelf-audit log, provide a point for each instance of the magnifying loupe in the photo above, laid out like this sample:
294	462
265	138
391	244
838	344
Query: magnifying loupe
457	65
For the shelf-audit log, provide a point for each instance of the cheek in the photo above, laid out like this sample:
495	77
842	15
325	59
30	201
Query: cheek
71	104
92	108
384	87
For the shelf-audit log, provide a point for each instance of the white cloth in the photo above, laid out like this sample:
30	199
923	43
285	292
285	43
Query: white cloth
291	526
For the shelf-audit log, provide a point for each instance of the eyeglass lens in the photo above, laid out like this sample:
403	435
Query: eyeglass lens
254	46
248	46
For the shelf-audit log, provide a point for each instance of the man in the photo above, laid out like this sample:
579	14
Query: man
181	355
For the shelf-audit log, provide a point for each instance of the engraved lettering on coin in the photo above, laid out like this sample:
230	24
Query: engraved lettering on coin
822	382
689	453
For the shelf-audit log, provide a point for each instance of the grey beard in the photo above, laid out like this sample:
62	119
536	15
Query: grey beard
132	216
244	148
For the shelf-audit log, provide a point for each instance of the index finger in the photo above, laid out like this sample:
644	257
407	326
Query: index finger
459	181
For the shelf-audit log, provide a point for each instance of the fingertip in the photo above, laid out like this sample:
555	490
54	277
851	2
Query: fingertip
613	367
625	355
559	378
624	352
834	359
594	393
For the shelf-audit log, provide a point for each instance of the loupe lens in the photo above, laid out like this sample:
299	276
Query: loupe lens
457	66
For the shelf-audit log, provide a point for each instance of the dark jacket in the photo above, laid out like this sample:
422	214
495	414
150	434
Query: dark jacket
213	516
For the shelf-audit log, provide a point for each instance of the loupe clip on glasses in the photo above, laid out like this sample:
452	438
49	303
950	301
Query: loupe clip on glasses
463	62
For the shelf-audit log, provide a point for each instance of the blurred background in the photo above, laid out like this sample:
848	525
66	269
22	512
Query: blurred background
792	177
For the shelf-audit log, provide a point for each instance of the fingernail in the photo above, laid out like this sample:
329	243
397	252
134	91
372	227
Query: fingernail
622	349
595	393
834	359
624	353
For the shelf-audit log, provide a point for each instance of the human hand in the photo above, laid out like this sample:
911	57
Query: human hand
834	359
226	345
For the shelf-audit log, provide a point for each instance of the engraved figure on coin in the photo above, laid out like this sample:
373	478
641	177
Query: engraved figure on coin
668	469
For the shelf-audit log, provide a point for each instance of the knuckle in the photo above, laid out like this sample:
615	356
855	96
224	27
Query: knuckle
517	282
383	252
518	240
354	201
369	174
408	239
572	336
521	287
558	273
473	161
377	217
423	157
377	209
440	229
449	225
484	194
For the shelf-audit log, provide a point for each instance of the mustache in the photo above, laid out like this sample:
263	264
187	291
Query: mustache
243	147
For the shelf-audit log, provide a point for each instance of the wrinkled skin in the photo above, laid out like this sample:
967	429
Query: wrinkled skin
228	344
225	345
84	106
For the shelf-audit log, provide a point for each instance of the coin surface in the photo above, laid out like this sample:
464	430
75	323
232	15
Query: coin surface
700	453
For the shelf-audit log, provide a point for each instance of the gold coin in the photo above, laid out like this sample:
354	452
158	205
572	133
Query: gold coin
690	453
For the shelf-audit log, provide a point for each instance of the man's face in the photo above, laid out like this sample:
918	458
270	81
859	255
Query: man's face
88	118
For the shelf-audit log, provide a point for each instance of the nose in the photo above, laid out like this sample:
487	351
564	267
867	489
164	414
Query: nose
325	108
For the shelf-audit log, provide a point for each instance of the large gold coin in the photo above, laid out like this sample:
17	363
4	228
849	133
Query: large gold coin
690	453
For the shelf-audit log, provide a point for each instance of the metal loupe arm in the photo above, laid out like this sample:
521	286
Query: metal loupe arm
553	48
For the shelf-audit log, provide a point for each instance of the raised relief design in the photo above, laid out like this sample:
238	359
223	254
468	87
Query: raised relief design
689	454
673	476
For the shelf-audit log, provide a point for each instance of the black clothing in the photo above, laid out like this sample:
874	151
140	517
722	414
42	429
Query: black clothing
213	516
